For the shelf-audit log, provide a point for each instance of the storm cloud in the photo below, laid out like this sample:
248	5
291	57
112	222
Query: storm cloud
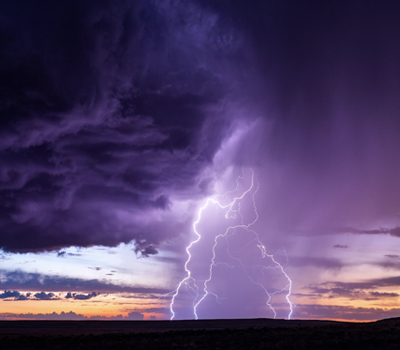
108	109
113	110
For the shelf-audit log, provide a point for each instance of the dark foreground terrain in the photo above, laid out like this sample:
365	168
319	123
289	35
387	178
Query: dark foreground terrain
202	334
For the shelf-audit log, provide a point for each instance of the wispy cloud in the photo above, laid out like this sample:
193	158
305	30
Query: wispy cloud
45	296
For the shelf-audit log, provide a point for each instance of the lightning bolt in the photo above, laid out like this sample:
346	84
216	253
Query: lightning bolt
233	211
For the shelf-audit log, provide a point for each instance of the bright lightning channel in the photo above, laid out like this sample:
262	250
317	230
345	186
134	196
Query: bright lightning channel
190	283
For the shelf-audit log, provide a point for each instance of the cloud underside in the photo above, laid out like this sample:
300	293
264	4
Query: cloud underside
107	112
111	114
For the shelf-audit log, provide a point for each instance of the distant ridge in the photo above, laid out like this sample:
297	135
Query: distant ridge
256	334
107	327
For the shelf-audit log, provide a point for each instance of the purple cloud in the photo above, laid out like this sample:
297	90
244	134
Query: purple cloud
146	251
365	290
81	296
45	296
120	109
9	294
107	134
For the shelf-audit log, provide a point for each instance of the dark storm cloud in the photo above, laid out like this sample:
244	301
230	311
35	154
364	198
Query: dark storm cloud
108	108
37	282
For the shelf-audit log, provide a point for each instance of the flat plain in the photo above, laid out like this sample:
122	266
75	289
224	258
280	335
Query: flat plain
200	334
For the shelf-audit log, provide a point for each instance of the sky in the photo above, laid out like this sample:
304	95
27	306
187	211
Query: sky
181	159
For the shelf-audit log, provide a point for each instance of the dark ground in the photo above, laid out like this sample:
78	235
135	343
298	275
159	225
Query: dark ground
202	334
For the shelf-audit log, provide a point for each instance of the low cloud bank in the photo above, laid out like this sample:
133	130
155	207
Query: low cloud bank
70	316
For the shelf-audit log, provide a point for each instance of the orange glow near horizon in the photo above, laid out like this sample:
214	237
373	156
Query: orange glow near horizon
109	305
112	305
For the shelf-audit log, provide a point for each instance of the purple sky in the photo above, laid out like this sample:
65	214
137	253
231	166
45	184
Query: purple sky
119	119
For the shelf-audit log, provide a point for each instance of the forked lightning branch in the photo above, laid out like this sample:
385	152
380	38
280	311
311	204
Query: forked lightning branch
233	205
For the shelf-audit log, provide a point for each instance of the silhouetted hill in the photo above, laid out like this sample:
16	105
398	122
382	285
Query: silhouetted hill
201	334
